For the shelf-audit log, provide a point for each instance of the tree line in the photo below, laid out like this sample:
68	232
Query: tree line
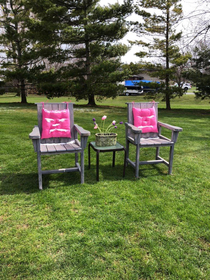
66	47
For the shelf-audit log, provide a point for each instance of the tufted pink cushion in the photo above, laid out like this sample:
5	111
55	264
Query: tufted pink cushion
55	123
145	119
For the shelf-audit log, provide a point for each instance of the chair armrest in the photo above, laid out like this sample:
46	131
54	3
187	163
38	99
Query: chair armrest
35	134
174	130
133	128
35	137
171	127
81	131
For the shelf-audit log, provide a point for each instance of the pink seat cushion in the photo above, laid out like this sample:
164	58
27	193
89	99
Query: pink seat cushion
145	119
55	123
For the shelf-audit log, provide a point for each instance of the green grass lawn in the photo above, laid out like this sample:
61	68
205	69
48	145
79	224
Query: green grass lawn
185	102
157	227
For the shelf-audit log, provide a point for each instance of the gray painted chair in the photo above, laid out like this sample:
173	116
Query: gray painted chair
135	136
52	146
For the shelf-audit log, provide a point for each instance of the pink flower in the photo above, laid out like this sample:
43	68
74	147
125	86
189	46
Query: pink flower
103	118
96	126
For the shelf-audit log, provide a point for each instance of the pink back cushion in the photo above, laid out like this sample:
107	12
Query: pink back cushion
145	119
55	123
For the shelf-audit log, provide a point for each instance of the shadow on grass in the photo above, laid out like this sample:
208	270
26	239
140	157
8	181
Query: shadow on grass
177	113
18	105
109	173
186	113
17	183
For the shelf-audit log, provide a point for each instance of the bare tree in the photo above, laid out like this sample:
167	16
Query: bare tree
197	24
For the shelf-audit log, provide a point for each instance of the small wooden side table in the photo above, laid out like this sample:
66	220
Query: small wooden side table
98	150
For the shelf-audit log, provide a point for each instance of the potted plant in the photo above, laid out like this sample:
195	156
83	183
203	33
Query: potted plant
105	137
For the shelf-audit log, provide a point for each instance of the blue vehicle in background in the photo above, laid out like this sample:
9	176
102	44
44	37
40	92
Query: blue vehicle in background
137	86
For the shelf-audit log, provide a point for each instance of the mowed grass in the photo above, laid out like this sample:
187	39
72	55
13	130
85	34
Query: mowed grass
157	227
187	101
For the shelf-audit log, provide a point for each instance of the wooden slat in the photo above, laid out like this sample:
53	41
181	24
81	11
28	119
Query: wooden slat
60	148
78	166
51	148
43	148
146	141
62	170
155	142
71	147
131	139
131	163
161	141
149	135
163	137
163	160
156	161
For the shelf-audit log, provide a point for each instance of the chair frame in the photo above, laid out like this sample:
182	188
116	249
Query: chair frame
135	136
53	146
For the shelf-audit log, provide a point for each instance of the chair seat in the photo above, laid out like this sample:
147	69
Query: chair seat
59	148
152	142
149	142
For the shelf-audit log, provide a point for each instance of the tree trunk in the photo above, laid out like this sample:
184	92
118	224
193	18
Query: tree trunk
168	104
23	91
91	100
167	94
167	78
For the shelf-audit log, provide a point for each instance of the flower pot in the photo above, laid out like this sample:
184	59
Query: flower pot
107	139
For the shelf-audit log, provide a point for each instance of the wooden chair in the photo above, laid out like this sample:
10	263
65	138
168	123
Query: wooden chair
135	136
52	146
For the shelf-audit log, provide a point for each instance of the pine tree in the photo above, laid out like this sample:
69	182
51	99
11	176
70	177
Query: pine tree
160	23
88	37
21	59
200	71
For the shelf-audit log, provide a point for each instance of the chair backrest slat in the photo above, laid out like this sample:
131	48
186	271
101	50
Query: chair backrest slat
56	106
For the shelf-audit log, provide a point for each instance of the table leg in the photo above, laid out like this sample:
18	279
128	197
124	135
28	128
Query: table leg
89	156
97	165
124	163
113	159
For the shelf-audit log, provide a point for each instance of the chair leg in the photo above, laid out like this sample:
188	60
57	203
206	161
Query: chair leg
157	152
171	156
137	161
82	167
39	170
76	159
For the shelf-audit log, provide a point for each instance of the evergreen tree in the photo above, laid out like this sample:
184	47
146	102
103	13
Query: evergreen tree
21	58
88	37
160	25
200	72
